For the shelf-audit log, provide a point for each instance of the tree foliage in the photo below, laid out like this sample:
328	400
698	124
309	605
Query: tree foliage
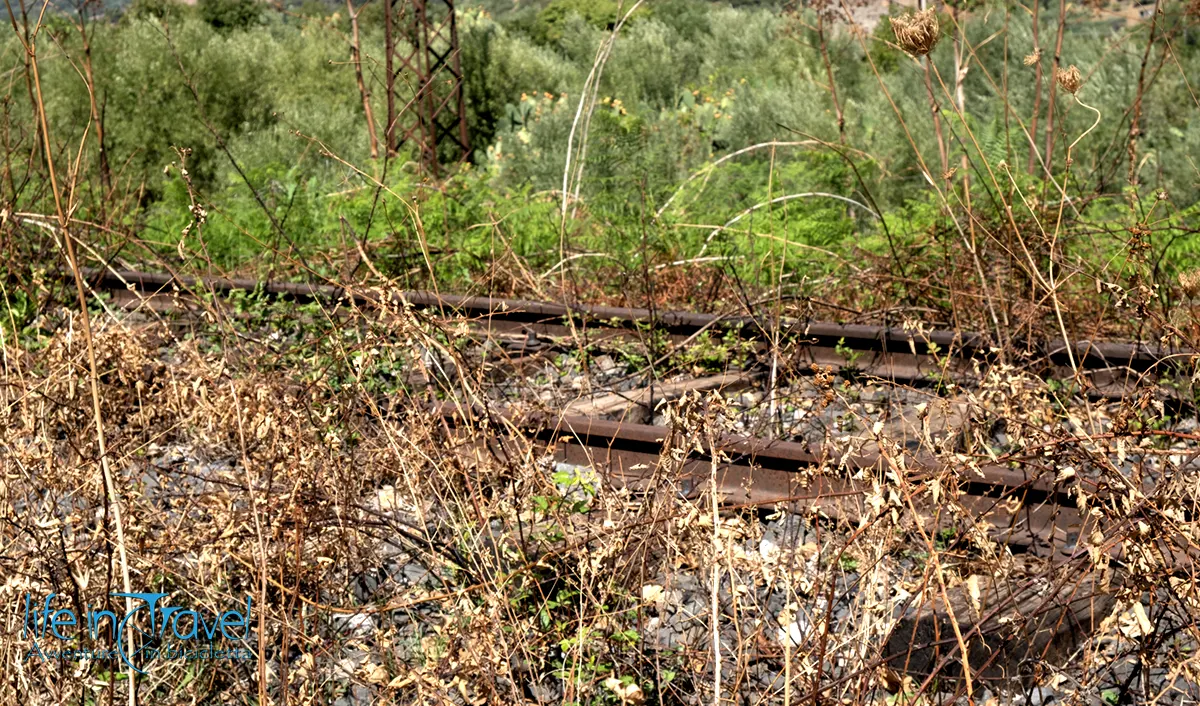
686	84
230	14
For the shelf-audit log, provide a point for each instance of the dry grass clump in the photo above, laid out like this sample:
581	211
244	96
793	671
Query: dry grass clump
917	33
292	456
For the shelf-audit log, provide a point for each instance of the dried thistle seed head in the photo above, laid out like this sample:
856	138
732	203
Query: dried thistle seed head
917	34
1069	78
1035	57
1190	282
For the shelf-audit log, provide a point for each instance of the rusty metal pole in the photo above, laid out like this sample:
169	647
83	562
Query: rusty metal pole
432	113
427	115
389	46
460	92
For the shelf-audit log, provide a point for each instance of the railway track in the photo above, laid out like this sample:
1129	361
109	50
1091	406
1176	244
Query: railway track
1027	506
1107	369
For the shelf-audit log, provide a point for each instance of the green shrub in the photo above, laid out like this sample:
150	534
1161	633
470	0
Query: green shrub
684	86
172	10
230	14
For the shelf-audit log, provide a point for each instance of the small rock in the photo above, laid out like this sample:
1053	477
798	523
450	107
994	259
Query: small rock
543	692
359	624
793	632
604	363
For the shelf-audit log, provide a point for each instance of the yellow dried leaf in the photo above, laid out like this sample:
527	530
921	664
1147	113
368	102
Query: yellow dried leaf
375	674
627	693
1143	620
973	592
401	681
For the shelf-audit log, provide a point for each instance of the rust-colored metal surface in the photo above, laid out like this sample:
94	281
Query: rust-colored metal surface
1025	506
904	352
1022	506
1019	507
424	82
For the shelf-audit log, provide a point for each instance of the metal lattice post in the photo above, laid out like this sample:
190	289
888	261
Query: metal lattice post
426	106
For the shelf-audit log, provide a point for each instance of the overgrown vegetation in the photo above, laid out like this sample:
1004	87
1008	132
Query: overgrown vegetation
267	106
1028	171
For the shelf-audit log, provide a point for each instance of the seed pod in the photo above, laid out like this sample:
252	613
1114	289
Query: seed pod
1069	78
917	34
1190	282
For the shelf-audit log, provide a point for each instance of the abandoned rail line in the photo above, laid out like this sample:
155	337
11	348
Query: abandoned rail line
1029	509
1106	369
1026	506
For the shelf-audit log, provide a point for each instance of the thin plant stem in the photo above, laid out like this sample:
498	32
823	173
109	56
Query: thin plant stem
110	488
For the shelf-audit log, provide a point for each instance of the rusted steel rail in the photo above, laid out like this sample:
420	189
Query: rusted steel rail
1008	622
1025	507
889	352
